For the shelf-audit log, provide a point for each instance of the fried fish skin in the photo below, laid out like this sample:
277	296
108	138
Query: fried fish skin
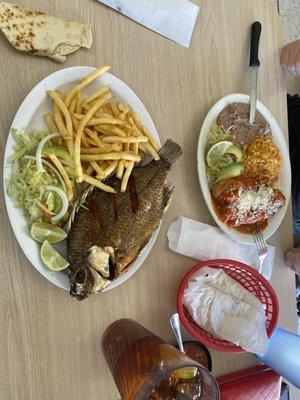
116	227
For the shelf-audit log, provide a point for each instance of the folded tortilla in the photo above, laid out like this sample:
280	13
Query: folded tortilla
40	34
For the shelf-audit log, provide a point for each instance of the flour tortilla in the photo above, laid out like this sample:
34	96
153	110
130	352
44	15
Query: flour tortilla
40	34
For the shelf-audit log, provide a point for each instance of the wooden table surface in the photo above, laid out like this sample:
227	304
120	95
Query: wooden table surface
50	343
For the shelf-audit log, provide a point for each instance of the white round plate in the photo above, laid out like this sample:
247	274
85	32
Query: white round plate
30	114
283	183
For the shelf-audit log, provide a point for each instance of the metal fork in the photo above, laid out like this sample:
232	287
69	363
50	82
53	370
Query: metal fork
261	246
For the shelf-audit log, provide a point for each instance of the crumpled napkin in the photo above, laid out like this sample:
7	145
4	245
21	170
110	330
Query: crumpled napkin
204	242
222	306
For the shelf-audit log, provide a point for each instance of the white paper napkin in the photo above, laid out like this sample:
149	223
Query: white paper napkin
204	242
220	305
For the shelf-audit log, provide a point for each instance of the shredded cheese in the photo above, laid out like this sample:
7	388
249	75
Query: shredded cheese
254	201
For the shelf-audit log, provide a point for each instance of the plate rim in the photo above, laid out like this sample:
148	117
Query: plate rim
84	70
228	99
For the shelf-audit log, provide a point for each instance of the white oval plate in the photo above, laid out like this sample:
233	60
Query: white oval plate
283	183
30	114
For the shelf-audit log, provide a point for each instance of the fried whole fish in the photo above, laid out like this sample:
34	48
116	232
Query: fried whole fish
109	232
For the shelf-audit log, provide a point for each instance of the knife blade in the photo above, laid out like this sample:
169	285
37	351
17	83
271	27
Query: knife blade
253	93
174	19
254	64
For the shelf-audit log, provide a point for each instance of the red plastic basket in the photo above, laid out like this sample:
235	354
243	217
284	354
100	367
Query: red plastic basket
247	277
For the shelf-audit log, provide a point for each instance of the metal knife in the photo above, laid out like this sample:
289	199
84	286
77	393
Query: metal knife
254	65
174	19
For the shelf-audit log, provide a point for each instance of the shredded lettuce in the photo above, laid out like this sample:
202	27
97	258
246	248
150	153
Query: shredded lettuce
60	152
217	133
27	189
27	186
26	142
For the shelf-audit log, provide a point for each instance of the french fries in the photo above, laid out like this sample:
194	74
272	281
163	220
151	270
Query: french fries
102	137
93	135
79	133
52	128
149	136
95	182
64	110
95	95
64	175
111	168
104	149
120	139
102	120
79	103
110	156
88	79
51	123
109	129
126	176
59	122
120	169
99	171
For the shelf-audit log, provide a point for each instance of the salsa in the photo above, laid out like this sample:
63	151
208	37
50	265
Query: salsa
199	353
244	228
245	202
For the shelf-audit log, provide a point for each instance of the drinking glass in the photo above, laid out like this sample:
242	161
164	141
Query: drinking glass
139	361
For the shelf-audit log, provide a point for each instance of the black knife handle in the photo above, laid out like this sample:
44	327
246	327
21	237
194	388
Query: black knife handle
255	36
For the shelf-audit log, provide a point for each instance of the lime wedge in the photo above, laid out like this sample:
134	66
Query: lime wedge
217	151
40	231
51	258
185	373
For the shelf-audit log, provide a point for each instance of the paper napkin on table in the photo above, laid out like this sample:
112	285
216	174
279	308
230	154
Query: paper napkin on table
204	242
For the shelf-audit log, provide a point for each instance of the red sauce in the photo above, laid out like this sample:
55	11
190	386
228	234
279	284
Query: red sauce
247	228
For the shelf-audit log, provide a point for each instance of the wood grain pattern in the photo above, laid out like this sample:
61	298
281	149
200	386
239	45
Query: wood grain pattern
50	343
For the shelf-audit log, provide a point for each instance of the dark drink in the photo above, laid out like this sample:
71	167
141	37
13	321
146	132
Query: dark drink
185	381
140	362
197	352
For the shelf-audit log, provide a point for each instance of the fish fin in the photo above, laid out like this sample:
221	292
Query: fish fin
167	196
170	153
79	203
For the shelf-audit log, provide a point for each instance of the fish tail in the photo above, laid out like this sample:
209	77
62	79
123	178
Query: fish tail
170	153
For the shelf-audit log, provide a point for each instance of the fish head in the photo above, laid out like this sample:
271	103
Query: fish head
80	283
93	275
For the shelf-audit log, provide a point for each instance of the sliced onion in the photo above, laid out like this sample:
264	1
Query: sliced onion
39	150
65	203
52	168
